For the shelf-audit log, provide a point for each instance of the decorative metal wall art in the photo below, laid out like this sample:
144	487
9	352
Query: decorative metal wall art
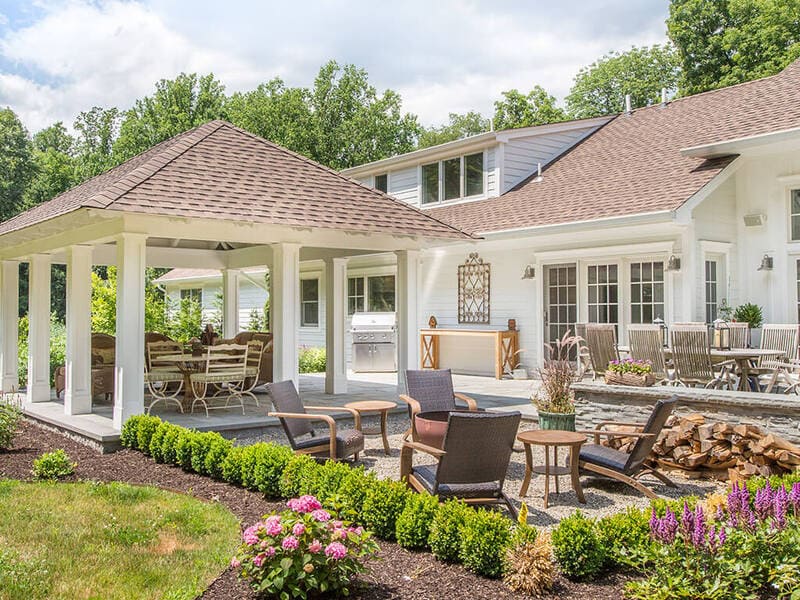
473	290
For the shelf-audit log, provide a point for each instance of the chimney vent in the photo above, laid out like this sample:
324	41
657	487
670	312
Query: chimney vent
663	96
628	103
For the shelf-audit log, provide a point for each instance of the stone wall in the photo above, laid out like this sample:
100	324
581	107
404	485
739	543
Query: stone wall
775	413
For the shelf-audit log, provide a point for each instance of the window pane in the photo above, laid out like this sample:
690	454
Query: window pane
381	293
430	183
796	227
382	182
473	165
452	178
795	202
309	290
310	313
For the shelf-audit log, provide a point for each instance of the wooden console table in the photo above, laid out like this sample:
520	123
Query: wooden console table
506	346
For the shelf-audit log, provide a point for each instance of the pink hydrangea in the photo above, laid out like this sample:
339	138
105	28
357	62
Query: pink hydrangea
335	550
290	543
269	551
235	563
259	559
315	547
273	526
298	529
304	504
357	530
321	515
250	535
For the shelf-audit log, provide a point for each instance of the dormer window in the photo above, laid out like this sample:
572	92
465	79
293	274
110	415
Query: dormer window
382	182
452	179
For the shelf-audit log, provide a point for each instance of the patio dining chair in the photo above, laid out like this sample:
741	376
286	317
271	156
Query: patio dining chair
252	370
431	391
597	459
296	422
647	343
778	370
739	335
584	361
223	375
691	356
164	379
601	338
472	463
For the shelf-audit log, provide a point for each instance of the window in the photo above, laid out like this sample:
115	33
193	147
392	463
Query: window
195	294
381	293
603	288
355	295
309	302
795	215
452	179
430	183
647	291
798	290
382	182
712	274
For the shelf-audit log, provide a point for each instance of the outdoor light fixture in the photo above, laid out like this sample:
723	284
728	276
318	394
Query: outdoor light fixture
722	335
530	272
674	263
766	263
664	330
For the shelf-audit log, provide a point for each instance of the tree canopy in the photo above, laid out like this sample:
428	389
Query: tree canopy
17	168
516	109
458	126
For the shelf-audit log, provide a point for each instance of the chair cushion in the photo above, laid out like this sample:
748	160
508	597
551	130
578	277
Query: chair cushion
604	456
426	475
348	441
163	375
220	376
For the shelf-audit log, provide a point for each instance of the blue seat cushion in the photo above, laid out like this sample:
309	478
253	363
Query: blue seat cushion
426	475
604	457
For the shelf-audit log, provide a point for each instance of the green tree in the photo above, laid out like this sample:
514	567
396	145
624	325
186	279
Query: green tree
458	127
186	322
724	42
104	302
97	129
600	88
524	110
176	106
53	150
17	167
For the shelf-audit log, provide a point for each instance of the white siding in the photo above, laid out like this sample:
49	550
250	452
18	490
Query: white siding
491	172
404	185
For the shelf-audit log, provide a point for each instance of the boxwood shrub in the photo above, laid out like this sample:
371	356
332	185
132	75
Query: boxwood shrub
626	538
297	474
485	536
268	464
169	444
383	503
232	465
414	523
349	500
578	547
445	535
201	445
215	457
156	446
183	449
147	427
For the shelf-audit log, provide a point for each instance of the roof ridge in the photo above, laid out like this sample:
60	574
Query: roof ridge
339	174
186	140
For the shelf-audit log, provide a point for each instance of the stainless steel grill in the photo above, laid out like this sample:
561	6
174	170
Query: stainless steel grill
374	342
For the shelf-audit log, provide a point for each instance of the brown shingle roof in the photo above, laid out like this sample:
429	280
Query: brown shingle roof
219	171
633	164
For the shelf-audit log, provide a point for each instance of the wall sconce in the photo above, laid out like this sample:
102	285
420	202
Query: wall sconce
530	272
674	263
766	263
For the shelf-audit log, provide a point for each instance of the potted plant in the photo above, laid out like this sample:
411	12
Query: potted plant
555	400
630	372
753	315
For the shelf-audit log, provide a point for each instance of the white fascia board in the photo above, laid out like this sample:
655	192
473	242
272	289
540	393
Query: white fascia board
512	134
616	221
742	144
597	252
683	213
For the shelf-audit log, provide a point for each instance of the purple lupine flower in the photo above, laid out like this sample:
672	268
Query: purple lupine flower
654	521
687	521
699	529
763	502
665	528
794	498
722	536
780	502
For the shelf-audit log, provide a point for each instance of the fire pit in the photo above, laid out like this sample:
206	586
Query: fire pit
431	427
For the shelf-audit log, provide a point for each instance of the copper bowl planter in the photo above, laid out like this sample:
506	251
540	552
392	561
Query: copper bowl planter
431	427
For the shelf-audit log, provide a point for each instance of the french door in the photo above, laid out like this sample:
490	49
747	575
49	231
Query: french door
561	300
602	293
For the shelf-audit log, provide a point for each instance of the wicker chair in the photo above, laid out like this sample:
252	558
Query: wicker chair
646	343
296	422
601	338
472	463
164	380
691	355
431	390
103	360
225	364
628	468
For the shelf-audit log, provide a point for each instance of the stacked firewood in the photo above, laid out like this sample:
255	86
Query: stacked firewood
702	448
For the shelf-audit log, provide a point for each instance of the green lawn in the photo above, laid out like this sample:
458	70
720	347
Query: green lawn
96	540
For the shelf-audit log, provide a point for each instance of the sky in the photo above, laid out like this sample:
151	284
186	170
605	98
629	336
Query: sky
60	57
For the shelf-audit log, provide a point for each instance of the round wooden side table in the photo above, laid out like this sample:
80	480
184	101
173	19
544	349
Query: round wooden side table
552	438
381	407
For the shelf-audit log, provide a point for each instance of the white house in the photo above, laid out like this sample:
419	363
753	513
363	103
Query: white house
659	212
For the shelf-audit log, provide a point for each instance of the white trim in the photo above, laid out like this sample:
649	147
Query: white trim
599	253
738	145
684	212
635	219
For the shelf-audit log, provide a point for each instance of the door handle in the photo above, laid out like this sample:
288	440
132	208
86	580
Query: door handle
546	319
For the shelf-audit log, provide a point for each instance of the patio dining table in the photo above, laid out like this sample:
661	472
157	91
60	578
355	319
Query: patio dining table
187	363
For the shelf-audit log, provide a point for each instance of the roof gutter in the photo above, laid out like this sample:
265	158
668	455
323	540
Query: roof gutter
742	144
623	220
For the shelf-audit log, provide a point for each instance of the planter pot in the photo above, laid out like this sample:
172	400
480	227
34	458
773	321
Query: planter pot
631	379
519	374
755	337
431	427
559	421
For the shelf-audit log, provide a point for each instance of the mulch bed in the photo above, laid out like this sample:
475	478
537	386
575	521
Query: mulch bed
397	573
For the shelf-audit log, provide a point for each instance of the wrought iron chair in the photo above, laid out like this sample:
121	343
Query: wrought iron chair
691	355
472	463
647	343
601	338
252	370
624	467
296	422
224	374
164	380
429	391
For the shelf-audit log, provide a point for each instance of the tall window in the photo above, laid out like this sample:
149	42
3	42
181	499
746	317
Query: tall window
473	179
451	179
795	215
430	183
355	295
309	302
195	294
712	274
647	291
602	281
382	182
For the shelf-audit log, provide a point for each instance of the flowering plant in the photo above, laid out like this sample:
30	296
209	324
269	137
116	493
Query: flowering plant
303	550
629	365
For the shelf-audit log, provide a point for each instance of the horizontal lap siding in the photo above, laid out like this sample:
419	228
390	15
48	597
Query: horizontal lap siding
491	172
404	185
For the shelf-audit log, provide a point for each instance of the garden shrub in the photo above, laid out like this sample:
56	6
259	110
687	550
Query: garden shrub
9	422
626	538
144	432
270	463
445	536
53	465
303	552
296	474
201	444
787	480
325	480
383	503
349	499
157	441
414	523
183	448
129	434
312	360
577	547
485	537
232	465
169	444
215	458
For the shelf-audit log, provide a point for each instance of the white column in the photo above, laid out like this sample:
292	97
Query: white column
129	355
335	316
78	392
39	328
230	303
9	325
285	305
407	314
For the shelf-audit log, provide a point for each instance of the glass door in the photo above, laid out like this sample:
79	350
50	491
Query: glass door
561	301
602	294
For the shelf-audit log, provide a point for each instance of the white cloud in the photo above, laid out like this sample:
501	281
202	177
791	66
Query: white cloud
447	56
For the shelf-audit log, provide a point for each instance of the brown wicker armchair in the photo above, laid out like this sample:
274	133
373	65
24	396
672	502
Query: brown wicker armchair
431	391
103	350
